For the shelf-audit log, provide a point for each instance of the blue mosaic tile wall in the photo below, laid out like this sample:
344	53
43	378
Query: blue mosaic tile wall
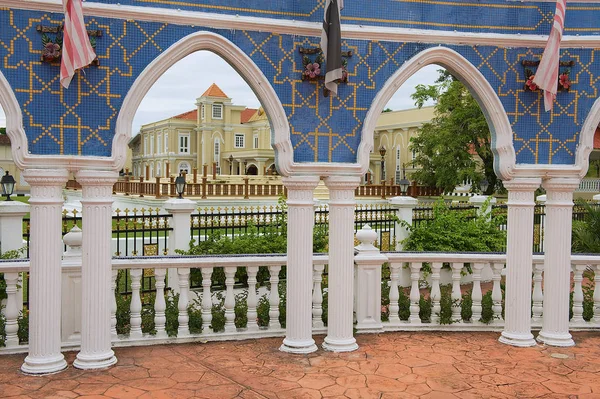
501	16
81	120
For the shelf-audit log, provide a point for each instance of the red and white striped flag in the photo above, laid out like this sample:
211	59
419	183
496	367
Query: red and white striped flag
77	51
546	76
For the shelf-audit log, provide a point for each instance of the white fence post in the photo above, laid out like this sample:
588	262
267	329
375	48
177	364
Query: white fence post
71	280
404	210
368	262
181	235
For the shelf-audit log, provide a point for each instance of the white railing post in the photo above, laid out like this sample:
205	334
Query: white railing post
206	299
538	295
252	299
368	262
71	310
436	293
404	211
45	253
299	270
229	299
596	318
183	274
541	199
317	299
181	235
479	200
456	294
113	304
160	305
557	260
578	295
274	297
497	292
519	258
340	337
394	292
476	294
415	294
135	308
11	312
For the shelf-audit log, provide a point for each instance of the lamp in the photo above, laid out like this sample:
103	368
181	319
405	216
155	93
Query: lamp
180	185
483	185
8	185
404	183
230	164
382	152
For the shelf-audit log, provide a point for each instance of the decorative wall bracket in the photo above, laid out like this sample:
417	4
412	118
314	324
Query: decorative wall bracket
52	48
564	82
313	67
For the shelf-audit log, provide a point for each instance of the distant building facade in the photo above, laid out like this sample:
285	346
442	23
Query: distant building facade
237	141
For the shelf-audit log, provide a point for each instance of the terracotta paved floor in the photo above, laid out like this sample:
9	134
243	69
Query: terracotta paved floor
392	365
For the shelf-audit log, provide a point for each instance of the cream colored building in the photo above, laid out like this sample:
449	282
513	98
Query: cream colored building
238	141
233	138
7	164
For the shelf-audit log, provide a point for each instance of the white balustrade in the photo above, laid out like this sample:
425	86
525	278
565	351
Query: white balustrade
11	312
206	299
456	294
436	293
394	293
317	299
596	318
578	294
415	294
184	288
274	298
230	299
160	305
497	292
538	295
135	308
113	304
252	300
476	294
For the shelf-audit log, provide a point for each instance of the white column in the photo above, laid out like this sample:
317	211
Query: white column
404	206
96	269
368	290
298	330
180	236
45	255
519	257
340	336
557	259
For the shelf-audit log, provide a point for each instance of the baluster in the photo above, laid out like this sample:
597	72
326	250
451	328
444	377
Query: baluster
136	304
456	295
206	299
159	303
394	294
11	312
415	295
184	289
229	299
596	318
578	294
252	299
476	294
497	291
113	304
317	299
274	297
538	294
436	294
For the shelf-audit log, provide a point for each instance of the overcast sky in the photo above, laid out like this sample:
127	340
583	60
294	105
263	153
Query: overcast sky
176	91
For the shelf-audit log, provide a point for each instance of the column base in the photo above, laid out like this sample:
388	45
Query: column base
93	362
299	347
340	345
519	340
44	365
550	339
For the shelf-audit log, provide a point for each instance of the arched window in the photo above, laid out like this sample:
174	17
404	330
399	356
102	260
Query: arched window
398	165
217	155
183	167
158	169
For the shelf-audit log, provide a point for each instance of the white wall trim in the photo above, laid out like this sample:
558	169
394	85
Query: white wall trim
240	62
586	139
470	75
291	27
14	122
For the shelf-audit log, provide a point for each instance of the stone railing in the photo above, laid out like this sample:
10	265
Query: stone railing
589	186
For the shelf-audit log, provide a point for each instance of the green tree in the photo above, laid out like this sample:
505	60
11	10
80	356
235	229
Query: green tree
2	130
445	146
586	233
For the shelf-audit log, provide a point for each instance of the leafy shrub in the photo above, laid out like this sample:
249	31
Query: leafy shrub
487	311
586	233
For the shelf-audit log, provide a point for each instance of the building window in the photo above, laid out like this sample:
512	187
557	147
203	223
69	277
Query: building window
398	165
201	111
152	144
217	111
159	143
166	143
239	140
255	141
184	143
183	167
145	145
217	155
158	169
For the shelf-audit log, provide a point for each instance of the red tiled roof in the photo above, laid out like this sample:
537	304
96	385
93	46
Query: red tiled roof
597	139
214	91
190	115
247	114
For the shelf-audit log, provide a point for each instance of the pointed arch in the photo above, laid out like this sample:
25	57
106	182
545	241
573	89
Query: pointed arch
243	64
460	67
14	123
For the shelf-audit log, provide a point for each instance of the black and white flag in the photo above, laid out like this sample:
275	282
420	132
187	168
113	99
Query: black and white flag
331	44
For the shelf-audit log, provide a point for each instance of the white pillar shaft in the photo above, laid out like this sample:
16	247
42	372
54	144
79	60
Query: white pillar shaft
404	206
341	263
96	269
180	236
557	259
45	255
299	271
519	257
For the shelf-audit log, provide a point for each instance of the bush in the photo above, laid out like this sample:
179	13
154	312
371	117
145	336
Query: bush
586	233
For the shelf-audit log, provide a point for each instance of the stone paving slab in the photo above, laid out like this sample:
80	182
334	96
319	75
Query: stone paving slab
399	365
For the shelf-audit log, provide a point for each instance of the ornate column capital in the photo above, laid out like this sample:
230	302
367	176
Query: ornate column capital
523	184
300	189
341	189
96	184
521	191
561	184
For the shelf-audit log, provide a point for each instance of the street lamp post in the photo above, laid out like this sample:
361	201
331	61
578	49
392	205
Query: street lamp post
180	185
382	152
404	182
8	185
